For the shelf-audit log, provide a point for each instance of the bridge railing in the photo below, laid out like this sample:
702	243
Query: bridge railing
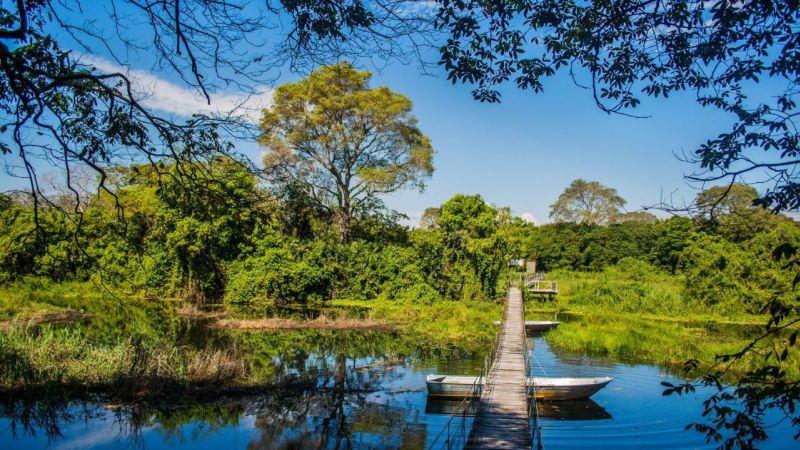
534	424
456	431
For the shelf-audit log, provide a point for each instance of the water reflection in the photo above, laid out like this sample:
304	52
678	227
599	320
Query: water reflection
566	410
362	390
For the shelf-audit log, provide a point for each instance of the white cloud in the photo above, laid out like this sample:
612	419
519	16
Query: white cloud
163	95
528	217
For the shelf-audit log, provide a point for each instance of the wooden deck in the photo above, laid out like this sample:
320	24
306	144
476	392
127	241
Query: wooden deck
542	287
502	414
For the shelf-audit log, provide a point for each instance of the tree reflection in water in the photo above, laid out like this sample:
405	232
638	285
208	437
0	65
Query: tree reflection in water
341	410
342	415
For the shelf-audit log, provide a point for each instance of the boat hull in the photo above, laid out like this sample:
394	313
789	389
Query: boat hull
453	386
550	389
543	388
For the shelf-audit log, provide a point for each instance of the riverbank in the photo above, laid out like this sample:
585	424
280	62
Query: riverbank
645	318
320	323
64	363
143	349
69	341
468	323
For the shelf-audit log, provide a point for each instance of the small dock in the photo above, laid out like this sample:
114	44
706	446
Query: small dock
535	284
501	419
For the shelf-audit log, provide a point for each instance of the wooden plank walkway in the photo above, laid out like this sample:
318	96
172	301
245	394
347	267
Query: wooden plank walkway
502	415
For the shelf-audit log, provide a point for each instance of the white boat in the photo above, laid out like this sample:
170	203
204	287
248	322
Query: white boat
452	386
565	388
536	325
545	388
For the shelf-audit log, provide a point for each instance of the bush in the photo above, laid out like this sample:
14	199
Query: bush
280	276
631	286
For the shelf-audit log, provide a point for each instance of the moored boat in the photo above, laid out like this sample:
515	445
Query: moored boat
545	388
452	386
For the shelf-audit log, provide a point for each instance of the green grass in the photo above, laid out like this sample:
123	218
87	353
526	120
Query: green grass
664	343
28	298
467	324
640	314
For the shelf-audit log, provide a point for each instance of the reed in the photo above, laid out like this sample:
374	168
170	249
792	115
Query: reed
465	323
665	343
64	362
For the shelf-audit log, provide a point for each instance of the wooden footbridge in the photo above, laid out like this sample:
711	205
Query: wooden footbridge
504	415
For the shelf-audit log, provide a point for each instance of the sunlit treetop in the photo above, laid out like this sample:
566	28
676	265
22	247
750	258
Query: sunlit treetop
345	143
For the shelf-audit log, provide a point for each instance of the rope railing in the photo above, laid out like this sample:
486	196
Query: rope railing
456	431
534	424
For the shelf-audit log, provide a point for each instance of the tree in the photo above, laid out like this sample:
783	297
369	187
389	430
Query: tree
740	57
732	211
588	203
430	218
719	201
345	143
468	214
466	253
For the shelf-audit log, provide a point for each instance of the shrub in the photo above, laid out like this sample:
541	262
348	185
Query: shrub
280	276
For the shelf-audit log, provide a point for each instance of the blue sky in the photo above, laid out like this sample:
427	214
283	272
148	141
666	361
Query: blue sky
520	153
524	151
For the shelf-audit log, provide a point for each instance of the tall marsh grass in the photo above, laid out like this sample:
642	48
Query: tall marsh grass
668	344
635	312
63	361
630	286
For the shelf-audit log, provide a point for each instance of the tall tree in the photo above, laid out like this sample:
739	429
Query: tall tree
732	211
430	217
345	143
719	201
588	203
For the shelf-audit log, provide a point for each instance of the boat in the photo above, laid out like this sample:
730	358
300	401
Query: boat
536	325
544	388
565	388
455	386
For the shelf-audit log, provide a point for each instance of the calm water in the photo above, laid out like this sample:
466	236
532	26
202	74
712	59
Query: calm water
367	390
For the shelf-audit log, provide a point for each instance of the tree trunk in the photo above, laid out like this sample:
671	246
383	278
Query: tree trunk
345	221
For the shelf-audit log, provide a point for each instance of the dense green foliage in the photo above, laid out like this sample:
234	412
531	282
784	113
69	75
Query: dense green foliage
229	238
722	264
